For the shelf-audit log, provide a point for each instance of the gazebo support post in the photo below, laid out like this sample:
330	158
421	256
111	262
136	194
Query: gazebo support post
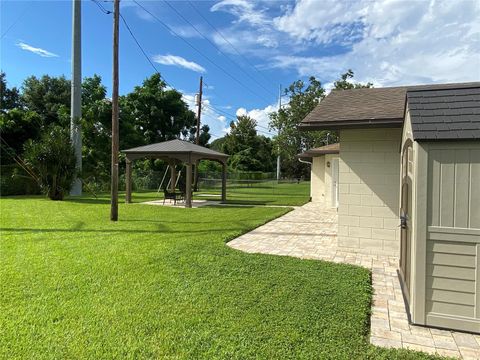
224	182
188	195
173	176
128	181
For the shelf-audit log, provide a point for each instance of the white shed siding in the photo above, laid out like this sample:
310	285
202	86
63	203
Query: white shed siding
369	190
329	179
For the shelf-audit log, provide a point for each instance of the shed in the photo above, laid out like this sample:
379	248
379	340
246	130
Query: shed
323	173
173	152
440	207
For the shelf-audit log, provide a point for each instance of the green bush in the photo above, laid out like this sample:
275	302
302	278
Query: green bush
53	161
16	181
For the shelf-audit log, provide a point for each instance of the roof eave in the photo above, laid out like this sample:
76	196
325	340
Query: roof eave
350	124
309	154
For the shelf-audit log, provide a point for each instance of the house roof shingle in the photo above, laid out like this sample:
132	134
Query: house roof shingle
366	107
449	114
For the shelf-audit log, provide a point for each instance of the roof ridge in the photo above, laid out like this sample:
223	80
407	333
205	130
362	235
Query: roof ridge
416	87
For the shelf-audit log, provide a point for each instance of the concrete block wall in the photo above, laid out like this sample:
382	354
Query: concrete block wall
368	213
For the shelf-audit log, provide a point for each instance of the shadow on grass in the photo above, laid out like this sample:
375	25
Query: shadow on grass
99	200
227	206
248	202
165	230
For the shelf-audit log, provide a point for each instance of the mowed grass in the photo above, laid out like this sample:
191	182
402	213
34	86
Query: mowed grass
256	193
161	283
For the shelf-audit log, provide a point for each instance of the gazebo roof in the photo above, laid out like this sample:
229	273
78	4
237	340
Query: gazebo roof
176	149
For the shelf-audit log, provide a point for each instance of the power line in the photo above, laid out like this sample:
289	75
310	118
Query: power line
101	7
148	58
141	49
230	114
226	40
217	94
215	46
234	118
208	105
198	51
16	21
144	52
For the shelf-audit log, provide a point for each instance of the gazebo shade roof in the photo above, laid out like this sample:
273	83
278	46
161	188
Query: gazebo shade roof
175	151
174	148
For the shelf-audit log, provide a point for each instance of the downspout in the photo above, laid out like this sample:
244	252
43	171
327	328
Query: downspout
304	161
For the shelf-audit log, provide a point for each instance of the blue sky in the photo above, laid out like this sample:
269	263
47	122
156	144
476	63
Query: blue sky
252	48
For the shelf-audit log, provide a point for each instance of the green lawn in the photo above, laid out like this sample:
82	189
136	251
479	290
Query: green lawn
265	193
161	283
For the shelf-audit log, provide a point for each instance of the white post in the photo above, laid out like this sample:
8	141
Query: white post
76	93
279	107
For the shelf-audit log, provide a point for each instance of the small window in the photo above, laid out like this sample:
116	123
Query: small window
410	160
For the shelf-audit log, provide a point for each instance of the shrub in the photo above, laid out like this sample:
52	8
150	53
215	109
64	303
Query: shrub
16	181
53	160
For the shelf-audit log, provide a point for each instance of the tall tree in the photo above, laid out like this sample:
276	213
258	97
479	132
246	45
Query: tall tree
159	113
49	97
96	125
17	124
9	97
289	142
249	151
303	99
190	134
344	84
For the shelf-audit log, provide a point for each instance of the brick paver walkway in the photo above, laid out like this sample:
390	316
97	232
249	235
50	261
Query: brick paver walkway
310	232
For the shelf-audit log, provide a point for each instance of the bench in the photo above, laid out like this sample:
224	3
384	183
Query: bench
168	195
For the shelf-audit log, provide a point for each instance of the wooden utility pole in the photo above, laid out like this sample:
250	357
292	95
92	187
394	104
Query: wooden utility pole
115	138
197	136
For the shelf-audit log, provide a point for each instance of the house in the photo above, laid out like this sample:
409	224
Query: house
409	186
324	173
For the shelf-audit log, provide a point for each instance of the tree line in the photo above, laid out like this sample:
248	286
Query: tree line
39	113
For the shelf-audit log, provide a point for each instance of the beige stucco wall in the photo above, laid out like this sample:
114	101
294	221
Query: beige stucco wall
369	190
317	180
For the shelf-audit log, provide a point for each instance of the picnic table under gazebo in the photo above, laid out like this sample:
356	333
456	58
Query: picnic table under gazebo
174	152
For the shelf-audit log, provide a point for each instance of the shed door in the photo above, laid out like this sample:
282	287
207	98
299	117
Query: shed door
406	214
452	293
335	183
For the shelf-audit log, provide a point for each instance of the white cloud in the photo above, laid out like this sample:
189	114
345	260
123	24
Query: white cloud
400	42
39	51
178	61
386	42
262	117
241	112
216	121
245	11
252	30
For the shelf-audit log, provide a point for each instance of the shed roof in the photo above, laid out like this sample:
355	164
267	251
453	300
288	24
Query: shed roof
322	150
366	107
445	114
176	148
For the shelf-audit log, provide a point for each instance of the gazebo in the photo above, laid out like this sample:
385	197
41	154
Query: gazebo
175	152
